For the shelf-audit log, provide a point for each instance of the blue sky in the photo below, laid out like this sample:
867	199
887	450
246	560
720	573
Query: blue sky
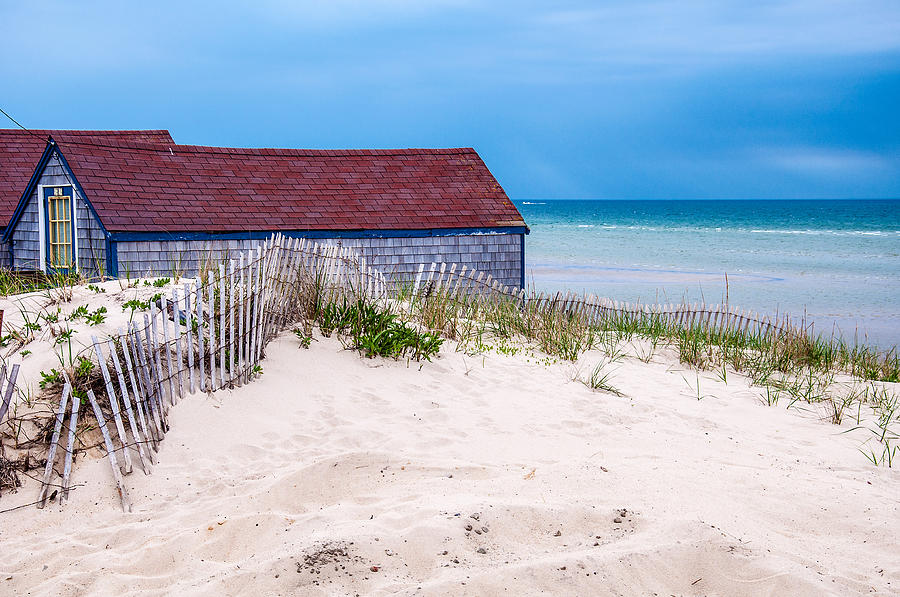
682	99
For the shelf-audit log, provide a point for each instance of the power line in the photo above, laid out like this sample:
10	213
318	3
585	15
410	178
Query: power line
16	122
169	148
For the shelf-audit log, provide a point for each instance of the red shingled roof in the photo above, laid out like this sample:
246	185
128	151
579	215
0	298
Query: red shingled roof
137	188
21	150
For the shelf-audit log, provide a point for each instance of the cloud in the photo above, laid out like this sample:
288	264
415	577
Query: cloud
525	41
709	32
824	161
338	13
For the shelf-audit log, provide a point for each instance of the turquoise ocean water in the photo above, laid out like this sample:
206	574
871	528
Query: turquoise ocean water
836	261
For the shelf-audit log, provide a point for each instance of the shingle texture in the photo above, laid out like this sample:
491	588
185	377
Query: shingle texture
397	258
20	151
144	187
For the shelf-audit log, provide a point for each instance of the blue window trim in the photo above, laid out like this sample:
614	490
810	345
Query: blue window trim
522	264
45	206
313	234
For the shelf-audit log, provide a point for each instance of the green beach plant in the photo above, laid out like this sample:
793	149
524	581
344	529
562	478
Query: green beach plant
601	380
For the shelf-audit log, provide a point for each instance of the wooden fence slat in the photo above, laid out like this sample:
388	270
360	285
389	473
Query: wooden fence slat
331	262
460	282
253	303
448	286
114	405
110	452
222	330
418	280
428	285
54	440
264	297
260	301
242	341
253	306
287	278
189	334
150	372
272	262
337	254
470	285
201	334
232	357
179	356
126	401
70	448
10	389
261	295
170	372
144	378
292	281
152	333
140	402
150	357
301	273
363	282
211	301
440	278
2	380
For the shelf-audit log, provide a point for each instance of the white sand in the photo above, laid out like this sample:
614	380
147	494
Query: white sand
383	464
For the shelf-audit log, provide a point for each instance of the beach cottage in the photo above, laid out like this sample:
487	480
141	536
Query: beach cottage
116	206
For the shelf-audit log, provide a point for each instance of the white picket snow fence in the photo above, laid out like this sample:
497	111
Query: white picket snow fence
213	334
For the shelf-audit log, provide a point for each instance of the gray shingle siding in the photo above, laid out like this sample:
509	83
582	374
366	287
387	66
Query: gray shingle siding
91	242
398	258
26	242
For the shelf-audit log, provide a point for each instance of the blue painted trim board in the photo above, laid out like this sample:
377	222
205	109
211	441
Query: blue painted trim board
522	265
112	258
263	234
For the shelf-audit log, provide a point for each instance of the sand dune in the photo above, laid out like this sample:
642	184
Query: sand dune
336	475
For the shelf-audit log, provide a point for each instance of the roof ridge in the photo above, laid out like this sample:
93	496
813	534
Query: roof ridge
268	151
320	151
85	131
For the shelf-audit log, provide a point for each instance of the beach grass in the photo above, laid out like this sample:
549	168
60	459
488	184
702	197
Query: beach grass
793	369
